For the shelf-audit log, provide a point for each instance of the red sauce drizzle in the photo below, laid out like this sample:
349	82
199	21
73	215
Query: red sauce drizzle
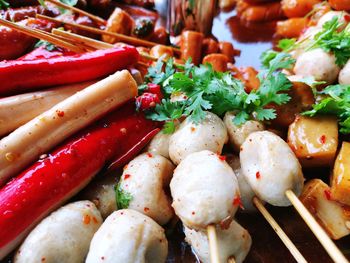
257	175
327	193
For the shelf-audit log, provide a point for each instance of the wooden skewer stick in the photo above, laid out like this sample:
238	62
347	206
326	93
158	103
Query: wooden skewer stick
282	235
332	250
40	35
99	44
81	39
213	244
99	20
231	260
130	40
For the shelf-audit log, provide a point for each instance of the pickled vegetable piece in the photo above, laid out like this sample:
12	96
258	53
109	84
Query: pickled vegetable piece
314	140
332	216
340	183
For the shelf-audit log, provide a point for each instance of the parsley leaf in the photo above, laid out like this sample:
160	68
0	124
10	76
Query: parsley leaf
336	102
123	198
4	4
286	44
48	46
334	40
207	90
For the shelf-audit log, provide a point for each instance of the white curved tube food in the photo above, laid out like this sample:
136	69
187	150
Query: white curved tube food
36	137
144	180
63	236
128	236
204	188
232	242
270	167
210	134
318	64
17	110
238	134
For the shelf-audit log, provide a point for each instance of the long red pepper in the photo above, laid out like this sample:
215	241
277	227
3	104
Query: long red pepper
29	197
20	76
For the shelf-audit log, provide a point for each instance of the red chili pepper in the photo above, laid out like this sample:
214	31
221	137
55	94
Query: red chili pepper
155	89
20	75
45	185
147	100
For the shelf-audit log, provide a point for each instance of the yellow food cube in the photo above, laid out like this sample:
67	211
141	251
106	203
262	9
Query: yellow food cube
331	215
340	182
314	140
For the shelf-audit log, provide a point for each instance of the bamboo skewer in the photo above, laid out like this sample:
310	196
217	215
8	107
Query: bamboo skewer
99	20
231	260
282	235
41	35
121	37
213	244
327	243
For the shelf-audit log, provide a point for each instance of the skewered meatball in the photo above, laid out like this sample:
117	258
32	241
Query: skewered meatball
144	179
270	167
159	145
101	192
210	134
128	236
64	236
232	242
319	64
344	75
204	188
237	134
245	189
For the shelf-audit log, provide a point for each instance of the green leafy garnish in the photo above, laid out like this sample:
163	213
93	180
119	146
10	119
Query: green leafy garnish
207	90
286	44
47	45
123	198
4	4
332	39
335	101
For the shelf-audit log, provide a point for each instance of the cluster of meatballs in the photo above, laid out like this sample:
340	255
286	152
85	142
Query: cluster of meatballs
206	188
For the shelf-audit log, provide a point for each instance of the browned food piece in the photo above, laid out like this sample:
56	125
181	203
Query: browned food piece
160	35
119	22
217	61
259	13
314	140
292	27
160	50
298	8
340	5
191	46
210	46
18	14
332	216
248	75
227	49
302	99
340	181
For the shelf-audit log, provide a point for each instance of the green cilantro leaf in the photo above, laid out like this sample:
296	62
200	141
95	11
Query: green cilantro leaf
47	45
207	90
286	44
4	4
123	198
336	101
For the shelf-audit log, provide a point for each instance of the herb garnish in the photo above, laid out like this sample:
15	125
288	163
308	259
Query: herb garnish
47	45
336	102
207	90
4	4
122	197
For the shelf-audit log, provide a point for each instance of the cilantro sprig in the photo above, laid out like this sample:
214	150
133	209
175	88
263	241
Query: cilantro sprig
208	90
47	45
123	198
4	4
336	101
